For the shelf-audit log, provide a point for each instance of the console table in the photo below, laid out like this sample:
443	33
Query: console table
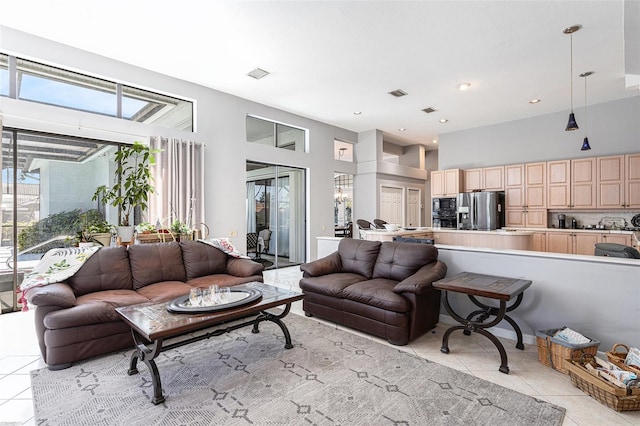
498	288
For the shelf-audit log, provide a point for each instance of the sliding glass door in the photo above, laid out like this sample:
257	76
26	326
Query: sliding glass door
47	185
276	226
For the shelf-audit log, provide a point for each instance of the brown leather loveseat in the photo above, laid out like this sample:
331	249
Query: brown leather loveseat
383	289
76	319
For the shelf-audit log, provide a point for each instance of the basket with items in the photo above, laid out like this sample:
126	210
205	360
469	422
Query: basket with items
629	359
617	388
558	344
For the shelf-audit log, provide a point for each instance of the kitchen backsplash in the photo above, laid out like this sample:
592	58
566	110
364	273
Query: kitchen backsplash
586	219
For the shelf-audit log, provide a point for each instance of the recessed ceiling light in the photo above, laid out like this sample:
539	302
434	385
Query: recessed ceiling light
464	86
258	73
534	101
398	93
443	120
435	141
357	112
402	129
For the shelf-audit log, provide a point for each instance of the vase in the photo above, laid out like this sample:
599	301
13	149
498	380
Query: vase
103	238
125	233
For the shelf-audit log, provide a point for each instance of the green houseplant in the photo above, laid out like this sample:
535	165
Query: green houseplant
134	182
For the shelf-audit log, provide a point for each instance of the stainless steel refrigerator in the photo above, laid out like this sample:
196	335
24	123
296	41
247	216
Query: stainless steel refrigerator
481	211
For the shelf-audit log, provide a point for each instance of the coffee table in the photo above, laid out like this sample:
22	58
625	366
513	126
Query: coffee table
152	323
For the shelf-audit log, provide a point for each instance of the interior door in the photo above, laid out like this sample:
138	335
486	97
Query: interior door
414	207
391	204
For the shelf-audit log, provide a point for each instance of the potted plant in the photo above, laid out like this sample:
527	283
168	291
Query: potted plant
100	232
133	186
181	230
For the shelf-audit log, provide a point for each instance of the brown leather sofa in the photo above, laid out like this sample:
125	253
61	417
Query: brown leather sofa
383	289
76	319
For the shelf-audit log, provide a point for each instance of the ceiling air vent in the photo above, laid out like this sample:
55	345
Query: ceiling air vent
258	73
398	93
429	110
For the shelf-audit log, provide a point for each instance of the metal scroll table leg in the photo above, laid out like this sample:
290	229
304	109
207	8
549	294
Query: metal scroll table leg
468	325
276	319
147	354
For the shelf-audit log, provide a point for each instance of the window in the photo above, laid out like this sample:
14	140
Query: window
4	75
275	134
343	198
36	82
342	151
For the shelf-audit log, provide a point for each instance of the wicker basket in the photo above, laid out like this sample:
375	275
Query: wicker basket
155	237
553	352
616	357
617	398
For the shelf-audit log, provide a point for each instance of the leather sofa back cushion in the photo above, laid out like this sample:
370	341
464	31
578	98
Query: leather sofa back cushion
106	269
358	256
201	259
398	261
152	263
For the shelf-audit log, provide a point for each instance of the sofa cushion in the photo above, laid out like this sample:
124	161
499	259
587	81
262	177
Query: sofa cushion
330	285
93	308
153	263
164	291
106	269
398	261
202	259
358	256
377	292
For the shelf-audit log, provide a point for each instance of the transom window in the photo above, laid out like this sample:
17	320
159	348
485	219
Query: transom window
275	134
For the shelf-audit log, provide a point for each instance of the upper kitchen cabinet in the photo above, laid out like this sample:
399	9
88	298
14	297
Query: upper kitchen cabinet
618	181
484	179
632	180
446	183
525	195
571	184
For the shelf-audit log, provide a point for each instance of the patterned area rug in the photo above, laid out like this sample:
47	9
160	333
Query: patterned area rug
330	377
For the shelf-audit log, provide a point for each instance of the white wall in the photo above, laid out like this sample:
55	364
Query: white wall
221	126
599	297
614	128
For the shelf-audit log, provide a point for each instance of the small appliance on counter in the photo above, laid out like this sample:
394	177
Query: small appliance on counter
481	211
562	221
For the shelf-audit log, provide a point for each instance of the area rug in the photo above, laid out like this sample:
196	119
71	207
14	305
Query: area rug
330	377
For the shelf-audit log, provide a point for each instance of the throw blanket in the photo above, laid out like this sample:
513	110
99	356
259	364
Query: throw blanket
225	245
55	266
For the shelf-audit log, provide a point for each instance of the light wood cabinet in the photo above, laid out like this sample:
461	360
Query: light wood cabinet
610	178
525	195
559	184
484	179
632	181
582	242
540	241
571	184
583	183
446	183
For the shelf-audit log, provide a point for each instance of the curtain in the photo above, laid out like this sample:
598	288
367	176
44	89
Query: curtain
179	182
251	206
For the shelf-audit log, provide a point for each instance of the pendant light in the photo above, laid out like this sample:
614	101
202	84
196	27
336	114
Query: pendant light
585	143
572	124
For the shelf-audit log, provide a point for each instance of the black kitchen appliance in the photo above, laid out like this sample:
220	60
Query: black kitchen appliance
443	212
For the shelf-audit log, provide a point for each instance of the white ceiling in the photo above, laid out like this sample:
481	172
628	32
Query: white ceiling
328	59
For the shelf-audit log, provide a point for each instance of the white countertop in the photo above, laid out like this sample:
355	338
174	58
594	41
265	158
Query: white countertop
501	232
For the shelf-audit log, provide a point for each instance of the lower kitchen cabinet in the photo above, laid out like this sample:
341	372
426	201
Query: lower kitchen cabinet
581	242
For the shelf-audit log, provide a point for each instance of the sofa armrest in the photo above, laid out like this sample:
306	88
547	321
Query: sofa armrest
420	282
55	294
326	265
243	267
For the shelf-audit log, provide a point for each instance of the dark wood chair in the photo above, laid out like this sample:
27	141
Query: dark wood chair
365	224
379	223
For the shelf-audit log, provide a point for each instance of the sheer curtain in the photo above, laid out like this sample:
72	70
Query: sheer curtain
178	180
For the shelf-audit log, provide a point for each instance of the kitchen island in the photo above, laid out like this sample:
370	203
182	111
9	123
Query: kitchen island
498	239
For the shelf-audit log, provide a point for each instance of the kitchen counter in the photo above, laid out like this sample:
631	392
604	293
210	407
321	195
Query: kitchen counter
501	239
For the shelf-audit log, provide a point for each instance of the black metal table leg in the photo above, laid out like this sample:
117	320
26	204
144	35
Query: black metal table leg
276	319
469	326
147	354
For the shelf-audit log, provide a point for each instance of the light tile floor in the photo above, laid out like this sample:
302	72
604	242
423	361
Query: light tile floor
476	355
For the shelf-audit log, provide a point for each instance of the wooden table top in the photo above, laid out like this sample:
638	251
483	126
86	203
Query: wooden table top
501	288
153	321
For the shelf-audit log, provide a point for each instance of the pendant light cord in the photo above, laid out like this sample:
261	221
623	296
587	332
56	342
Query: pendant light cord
571	69
586	114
